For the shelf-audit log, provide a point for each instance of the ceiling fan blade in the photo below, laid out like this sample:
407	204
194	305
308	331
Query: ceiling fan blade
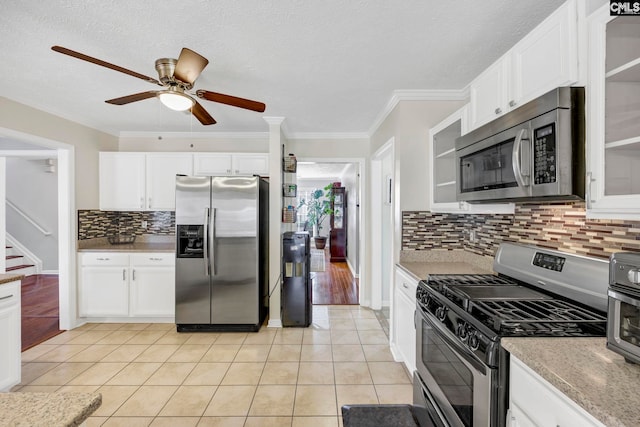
202	114
231	100
189	66
132	98
102	63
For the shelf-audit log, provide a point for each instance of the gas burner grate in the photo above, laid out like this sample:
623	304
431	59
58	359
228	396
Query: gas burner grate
536	317
444	280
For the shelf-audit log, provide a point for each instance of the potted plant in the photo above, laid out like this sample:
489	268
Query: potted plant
318	207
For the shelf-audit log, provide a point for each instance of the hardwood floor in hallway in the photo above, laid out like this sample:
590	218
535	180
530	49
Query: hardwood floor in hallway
335	285
40	309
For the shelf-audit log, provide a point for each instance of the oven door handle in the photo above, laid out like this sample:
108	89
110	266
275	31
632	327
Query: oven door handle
461	350
624	298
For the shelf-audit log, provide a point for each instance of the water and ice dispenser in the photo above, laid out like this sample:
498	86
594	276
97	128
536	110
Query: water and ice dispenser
296	283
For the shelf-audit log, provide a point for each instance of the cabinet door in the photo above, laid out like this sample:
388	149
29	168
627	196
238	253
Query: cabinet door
547	57
153	285
122	181
152	291
161	179
251	164
10	366
613	137
104	291
212	164
489	92
402	316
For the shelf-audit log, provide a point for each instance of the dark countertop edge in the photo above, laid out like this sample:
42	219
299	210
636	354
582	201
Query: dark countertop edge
8	278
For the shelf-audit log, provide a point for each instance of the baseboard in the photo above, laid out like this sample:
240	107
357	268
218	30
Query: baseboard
274	323
49	272
353	272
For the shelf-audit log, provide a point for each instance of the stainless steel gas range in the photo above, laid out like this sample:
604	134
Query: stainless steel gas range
461	377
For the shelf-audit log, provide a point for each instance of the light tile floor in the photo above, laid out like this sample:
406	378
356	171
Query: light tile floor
150	375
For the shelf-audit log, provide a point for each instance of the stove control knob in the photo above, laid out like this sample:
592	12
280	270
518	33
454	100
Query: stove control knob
441	313
634	276
461	331
473	341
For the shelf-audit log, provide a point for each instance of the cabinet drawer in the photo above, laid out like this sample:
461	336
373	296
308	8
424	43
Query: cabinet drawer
406	284
104	258
163	259
10	293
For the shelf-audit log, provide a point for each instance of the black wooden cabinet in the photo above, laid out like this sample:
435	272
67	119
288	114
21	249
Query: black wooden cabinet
338	233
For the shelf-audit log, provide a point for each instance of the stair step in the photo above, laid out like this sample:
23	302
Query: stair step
25	269
14	256
14	260
18	267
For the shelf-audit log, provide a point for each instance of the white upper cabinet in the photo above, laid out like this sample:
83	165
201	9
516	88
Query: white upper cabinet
122	181
162	169
544	59
442	156
220	164
140	181
613	117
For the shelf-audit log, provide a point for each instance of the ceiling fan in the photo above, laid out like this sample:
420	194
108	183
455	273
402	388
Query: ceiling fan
177	78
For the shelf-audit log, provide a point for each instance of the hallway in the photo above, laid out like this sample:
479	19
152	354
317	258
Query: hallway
335	285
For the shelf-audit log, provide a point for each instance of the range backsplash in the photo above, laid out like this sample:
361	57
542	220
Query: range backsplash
560	226
95	224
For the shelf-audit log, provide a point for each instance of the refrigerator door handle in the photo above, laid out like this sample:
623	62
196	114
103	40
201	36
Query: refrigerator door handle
213	241
207	271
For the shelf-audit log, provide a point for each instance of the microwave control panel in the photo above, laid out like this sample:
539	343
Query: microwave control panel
544	154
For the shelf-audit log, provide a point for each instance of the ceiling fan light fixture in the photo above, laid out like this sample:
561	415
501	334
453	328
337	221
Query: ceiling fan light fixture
176	101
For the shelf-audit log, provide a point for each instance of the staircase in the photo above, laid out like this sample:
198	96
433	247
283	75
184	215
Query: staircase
17	263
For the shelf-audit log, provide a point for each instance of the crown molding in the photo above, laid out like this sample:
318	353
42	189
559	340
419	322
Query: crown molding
196	135
328	135
417	95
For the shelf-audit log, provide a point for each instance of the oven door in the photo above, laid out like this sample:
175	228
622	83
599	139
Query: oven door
623	327
459	387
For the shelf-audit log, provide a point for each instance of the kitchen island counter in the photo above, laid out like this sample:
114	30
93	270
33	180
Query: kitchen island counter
597	379
50	409
8	278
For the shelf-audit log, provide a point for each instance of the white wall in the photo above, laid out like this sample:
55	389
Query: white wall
258	143
87	143
35	192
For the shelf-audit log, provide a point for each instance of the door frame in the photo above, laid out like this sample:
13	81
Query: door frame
377	200
66	214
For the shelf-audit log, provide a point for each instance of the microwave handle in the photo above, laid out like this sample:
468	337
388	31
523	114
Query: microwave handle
521	169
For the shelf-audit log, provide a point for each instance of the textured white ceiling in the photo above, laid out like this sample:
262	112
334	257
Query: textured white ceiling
326	66
320	170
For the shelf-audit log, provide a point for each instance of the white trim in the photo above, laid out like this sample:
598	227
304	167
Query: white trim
194	135
66	222
30	257
3	216
28	153
24	215
417	95
353	271
50	272
328	135
275	323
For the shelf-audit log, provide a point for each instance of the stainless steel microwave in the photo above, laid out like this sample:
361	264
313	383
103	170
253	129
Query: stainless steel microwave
533	153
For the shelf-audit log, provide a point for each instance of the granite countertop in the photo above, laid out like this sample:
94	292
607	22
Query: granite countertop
8	278
422	263
50	409
145	243
597	379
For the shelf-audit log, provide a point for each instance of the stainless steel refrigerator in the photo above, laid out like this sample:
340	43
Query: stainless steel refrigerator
221	253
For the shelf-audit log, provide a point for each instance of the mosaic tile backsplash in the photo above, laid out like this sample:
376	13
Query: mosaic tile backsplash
95	224
559	226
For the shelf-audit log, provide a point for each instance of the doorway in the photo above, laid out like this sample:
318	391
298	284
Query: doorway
15	143
336	280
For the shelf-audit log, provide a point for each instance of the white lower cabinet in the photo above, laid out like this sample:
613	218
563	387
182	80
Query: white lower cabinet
126	285
403	337
10	335
152	291
534	402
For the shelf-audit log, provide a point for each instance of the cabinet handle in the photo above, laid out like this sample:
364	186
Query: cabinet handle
228	170
6	297
102	259
512	103
149	202
588	196
237	171
124	274
498	110
141	202
133	275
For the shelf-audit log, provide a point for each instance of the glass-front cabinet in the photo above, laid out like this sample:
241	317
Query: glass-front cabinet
613	99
